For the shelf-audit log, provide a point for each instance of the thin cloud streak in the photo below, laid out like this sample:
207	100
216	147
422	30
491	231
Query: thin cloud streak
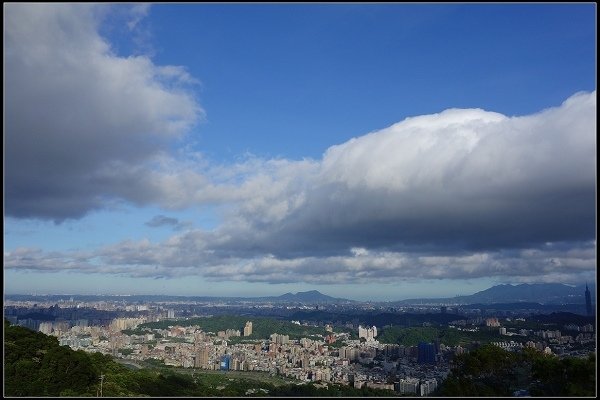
145	259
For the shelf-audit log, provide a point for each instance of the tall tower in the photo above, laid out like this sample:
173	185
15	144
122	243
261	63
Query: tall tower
588	300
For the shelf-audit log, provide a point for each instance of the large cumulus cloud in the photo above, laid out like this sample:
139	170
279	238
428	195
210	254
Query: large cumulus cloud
461	179
77	115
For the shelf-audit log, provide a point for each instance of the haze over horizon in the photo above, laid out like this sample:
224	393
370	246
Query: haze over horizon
254	150
310	293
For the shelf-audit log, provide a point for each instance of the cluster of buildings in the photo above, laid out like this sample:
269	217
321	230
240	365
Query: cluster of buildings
415	386
357	363
369	334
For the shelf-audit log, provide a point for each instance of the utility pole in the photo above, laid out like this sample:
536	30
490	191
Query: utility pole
101	381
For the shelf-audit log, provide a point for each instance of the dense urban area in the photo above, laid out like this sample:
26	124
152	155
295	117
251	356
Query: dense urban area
406	350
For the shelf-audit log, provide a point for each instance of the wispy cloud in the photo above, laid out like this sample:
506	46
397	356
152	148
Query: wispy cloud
137	13
162	220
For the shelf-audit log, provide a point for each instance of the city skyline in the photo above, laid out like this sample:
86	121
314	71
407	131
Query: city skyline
254	150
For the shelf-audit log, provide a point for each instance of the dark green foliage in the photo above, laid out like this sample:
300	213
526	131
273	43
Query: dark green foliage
377	319
35	365
450	337
126	352
408	336
563	377
563	318
137	331
491	371
63	368
262	328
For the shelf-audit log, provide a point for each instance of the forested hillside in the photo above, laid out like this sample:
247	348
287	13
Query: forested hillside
492	371
262	328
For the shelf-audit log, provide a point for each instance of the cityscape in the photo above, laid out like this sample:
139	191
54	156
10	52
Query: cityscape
305	200
321	341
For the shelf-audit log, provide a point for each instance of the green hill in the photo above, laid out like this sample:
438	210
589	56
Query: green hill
262	328
36	365
492	371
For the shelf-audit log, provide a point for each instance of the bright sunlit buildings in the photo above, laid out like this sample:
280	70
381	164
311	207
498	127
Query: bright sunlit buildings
367	333
248	329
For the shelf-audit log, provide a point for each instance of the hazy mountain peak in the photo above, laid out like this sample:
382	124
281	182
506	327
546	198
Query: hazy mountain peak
524	292
308	296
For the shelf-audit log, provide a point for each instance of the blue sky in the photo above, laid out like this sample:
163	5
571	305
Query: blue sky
369	151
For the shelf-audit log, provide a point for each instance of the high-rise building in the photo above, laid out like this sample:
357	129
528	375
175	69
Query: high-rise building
368	333
232	332
280	339
350	353
225	361
588	301
408	385
426	353
427	386
201	359
248	329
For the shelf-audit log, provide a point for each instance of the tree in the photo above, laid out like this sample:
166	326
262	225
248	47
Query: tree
63	368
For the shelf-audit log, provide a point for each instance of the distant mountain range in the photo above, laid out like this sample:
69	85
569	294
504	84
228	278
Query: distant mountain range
312	296
544	293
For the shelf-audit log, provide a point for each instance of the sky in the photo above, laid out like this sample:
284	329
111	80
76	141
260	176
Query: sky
368	151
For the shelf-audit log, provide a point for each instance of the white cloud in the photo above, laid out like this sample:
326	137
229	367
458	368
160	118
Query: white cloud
457	179
359	251
419	151
138	12
76	113
187	256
